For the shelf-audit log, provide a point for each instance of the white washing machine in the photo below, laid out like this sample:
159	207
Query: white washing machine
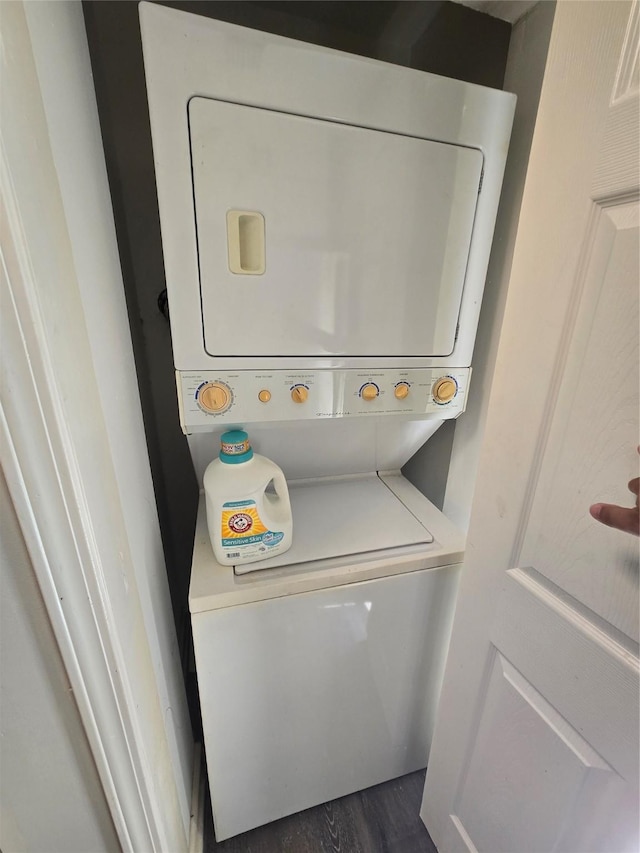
321	677
326	223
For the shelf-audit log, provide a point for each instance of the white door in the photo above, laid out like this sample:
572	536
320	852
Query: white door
326	214
536	743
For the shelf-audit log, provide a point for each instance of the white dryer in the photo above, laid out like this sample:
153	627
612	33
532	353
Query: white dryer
326	224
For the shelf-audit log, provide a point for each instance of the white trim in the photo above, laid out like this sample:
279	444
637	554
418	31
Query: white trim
42	567
30	385
74	455
70	109
462	833
628	75
573	614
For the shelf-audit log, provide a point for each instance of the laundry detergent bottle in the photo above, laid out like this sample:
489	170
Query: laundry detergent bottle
247	500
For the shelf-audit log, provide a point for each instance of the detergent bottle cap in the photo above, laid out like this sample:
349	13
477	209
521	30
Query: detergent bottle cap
235	447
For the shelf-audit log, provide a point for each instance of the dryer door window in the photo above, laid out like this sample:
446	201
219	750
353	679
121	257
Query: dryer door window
317	238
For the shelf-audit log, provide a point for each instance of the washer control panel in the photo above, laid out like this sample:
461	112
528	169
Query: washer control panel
210	398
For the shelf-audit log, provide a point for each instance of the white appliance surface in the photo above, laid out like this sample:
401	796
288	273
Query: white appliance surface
321	678
371	188
214	586
324	447
326	226
310	697
347	212
341	517
261	396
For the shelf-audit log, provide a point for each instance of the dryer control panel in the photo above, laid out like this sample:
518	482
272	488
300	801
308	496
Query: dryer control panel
208	399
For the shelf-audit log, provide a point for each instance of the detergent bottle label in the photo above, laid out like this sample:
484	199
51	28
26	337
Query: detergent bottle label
244	535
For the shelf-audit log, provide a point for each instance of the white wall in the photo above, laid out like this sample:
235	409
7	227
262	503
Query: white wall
432	464
51	798
525	69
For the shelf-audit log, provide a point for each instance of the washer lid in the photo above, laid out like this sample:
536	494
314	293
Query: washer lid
319	238
214	586
341	517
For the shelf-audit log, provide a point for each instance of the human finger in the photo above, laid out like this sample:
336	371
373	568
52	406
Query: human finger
622	518
634	486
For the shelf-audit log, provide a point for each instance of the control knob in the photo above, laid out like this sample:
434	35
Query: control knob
369	391
444	389
214	397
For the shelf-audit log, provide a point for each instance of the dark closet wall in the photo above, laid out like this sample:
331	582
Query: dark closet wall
440	37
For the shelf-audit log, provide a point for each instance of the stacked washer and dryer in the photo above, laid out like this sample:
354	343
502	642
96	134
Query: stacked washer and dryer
326	225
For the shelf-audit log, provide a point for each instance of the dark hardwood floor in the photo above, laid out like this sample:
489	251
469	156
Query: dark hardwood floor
383	819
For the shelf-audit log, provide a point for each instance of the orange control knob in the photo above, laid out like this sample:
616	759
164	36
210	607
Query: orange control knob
369	391
444	389
214	397
264	396
401	390
299	394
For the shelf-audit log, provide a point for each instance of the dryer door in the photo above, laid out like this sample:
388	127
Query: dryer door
317	238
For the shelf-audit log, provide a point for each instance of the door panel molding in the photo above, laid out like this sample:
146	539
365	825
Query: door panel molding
501	746
617	168
458	840
546	640
555	381
521	740
628	74
594	255
591	430
559	595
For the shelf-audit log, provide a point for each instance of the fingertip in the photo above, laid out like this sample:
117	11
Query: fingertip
596	511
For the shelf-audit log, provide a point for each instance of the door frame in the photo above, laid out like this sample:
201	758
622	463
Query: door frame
72	443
